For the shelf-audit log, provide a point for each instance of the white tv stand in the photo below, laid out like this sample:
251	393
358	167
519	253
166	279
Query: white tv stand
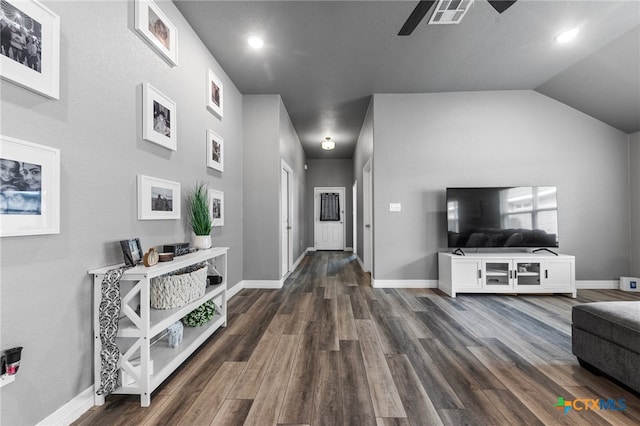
508	272
144	363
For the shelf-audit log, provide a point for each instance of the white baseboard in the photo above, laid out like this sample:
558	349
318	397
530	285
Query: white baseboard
311	249
404	283
235	290
71	411
597	284
348	249
361	263
295	265
266	284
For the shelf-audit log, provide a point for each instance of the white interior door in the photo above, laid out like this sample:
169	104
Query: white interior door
285	222
354	204
329	228
367	231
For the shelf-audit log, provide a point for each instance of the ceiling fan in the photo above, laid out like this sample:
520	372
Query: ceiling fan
445	12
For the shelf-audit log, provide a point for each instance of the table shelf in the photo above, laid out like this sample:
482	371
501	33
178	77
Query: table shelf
138	328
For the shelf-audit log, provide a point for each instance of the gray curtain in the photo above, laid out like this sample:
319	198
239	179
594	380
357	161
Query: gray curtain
329	207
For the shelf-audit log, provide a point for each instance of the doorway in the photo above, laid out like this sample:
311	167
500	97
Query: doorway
328	207
367	207
286	236
354	217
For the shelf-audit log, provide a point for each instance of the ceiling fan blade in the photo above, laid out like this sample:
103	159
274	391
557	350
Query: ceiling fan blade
501	5
416	16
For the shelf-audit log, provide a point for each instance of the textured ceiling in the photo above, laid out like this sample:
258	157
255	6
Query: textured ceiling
326	58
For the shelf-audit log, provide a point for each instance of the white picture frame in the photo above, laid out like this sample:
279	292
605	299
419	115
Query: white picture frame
216	207
158	198
159	118
30	189
215	151
215	94
37	66
157	30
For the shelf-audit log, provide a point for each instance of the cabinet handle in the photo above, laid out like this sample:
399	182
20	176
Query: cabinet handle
546	273
515	274
480	273
510	274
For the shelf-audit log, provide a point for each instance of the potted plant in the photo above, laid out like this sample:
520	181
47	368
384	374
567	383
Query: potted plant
201	222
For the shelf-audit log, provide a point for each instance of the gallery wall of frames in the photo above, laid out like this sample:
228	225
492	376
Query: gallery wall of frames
30	57
111	112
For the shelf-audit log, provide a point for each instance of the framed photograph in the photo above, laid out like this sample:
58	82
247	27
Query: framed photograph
216	207
214	94
132	251
159	120
30	188
30	46
158	198
157	30
215	151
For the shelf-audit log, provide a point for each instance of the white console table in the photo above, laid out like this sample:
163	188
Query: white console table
506	273
145	364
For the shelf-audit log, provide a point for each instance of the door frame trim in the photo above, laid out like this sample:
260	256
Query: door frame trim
290	261
367	213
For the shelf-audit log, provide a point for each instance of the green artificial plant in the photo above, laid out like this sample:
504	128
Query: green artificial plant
201	222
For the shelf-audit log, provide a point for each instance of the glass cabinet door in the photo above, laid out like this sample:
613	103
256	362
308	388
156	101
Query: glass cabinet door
527	273
497	273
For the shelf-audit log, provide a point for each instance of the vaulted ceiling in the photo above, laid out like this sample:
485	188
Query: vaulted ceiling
326	58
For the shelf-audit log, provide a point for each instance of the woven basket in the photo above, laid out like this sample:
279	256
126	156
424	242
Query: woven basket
179	288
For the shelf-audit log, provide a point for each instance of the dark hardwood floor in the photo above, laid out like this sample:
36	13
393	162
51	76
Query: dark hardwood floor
328	349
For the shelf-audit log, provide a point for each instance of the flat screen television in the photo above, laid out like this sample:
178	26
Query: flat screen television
509	216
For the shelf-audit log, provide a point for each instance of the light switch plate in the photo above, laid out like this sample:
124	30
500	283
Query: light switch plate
395	207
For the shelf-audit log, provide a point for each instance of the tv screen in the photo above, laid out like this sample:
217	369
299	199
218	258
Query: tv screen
510	216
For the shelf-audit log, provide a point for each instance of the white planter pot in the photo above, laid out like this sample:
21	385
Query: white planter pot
202	241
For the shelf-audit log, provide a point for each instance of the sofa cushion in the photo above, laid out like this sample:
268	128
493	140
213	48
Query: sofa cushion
617	322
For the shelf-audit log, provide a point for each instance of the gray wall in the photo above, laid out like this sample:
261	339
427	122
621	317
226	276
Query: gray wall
634	167
330	173
424	143
46	292
261	176
292	153
269	138
361	154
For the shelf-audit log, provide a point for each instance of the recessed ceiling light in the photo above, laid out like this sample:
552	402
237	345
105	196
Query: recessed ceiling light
567	35
255	41
328	144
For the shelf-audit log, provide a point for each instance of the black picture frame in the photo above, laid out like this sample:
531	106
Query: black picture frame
132	251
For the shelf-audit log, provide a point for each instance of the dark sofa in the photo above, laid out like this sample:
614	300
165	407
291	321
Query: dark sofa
606	339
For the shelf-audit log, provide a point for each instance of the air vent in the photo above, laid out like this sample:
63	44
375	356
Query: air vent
450	11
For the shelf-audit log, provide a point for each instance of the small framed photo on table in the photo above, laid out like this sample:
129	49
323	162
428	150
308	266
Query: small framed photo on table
132	251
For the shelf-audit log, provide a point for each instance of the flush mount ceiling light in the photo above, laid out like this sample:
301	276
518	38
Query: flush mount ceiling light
255	41
568	35
328	144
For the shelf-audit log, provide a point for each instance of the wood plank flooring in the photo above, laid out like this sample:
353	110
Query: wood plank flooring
328	349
